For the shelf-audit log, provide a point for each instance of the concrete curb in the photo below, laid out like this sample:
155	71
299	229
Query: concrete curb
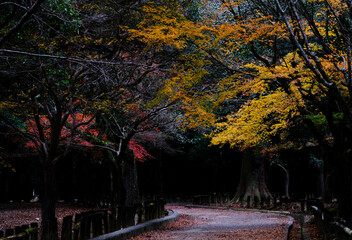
140	228
289	227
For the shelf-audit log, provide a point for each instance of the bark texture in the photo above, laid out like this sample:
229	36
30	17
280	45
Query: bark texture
130	182
252	182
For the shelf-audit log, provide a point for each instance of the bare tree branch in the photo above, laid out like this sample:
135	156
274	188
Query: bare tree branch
22	21
72	59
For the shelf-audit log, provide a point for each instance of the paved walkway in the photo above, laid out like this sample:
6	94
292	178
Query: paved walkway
199	223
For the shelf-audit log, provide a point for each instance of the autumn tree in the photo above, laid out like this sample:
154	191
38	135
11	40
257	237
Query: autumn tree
211	72
129	111
81	69
319	31
131	97
313	72
44	69
306	59
258	50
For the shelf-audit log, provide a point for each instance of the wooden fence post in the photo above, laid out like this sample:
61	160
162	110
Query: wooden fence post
24	228
88	223
34	232
97	225
140	213
77	227
130	214
9	232
66	231
146	212
106	222
18	229
162	208
157	209
151	210
248	201
112	220
119	218
83	226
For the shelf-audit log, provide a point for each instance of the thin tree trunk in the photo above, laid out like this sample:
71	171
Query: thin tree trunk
287	183
49	229
321	182
112	185
329	170
287	179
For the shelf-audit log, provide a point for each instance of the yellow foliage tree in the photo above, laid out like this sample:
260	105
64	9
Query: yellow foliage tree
279	59
258	122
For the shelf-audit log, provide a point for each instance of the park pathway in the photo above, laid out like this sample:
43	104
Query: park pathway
201	223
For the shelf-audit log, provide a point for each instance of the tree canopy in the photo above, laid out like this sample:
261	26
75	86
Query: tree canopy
243	73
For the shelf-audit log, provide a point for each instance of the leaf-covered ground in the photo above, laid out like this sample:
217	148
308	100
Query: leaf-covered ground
17	214
221	224
311	231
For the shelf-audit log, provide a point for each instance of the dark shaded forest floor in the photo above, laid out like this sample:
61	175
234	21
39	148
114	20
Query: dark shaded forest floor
17	214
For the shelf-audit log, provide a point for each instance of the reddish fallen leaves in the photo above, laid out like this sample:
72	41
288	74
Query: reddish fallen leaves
314	232
242	234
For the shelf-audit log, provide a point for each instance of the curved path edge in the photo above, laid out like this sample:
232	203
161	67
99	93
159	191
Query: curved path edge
284	213
140	228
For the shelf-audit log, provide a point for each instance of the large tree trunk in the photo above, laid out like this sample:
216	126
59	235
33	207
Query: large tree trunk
130	182
252	182
127	177
49	229
114	185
